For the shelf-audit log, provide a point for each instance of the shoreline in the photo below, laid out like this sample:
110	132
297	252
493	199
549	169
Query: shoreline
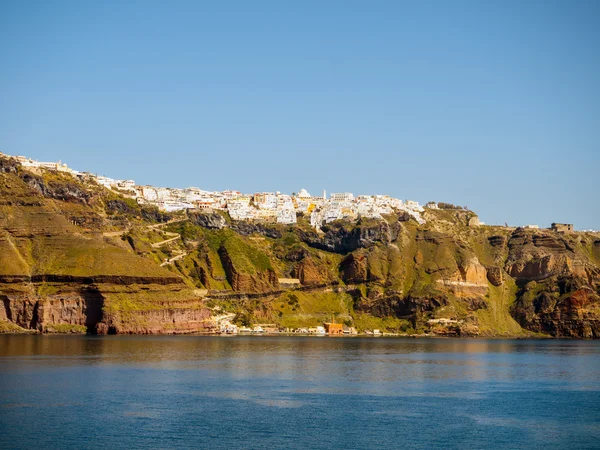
304	335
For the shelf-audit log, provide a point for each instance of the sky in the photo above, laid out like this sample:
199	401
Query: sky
494	105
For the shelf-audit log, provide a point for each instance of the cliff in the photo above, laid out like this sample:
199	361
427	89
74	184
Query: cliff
77	257
60	272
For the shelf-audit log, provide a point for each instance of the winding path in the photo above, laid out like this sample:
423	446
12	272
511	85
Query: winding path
174	237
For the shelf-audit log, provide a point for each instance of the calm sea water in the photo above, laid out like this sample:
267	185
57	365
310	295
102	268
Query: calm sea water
297	392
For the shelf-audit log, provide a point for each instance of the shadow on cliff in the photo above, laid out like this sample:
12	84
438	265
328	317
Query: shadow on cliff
6	313
94	304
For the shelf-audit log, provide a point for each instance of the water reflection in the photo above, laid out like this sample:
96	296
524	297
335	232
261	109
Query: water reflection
355	360
281	392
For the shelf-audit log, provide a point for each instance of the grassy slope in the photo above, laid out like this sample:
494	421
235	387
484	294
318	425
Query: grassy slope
9	327
78	256
496	319
11	261
306	309
36	236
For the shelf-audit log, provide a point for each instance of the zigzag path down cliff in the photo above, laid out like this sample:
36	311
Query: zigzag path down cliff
76	257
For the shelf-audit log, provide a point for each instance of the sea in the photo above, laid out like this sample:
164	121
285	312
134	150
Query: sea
298	392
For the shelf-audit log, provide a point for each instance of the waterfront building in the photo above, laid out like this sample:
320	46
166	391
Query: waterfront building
334	329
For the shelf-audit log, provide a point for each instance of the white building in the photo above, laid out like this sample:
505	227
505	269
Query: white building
286	215
266	206
126	184
368	211
230	194
105	181
170	206
148	193
239	211
410	204
303	194
265	200
341	197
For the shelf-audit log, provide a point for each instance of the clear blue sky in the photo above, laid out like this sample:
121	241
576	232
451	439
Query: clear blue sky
490	104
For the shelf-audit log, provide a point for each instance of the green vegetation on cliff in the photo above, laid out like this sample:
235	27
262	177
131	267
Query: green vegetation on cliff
75	255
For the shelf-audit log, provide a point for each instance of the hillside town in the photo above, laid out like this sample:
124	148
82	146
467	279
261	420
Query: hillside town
274	207
270	207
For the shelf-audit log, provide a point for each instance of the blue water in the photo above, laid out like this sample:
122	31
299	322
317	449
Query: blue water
84	392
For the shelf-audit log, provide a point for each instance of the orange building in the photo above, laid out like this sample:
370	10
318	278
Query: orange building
334	328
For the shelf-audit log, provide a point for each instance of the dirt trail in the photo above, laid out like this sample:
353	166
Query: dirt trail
161	243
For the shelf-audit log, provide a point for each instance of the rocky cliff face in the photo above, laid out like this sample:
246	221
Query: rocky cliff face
60	274
75	257
78	307
212	221
342	238
478	278
572	314
559	281
311	272
243	281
